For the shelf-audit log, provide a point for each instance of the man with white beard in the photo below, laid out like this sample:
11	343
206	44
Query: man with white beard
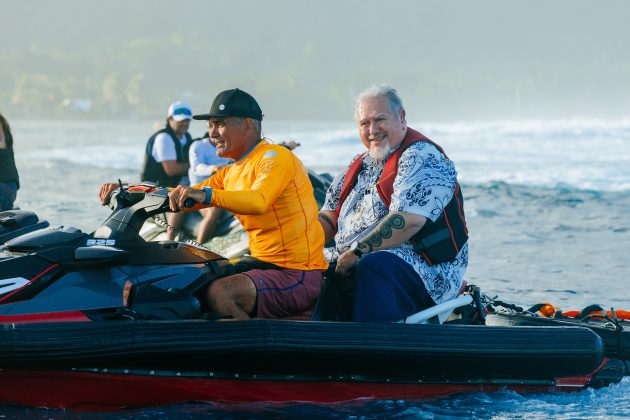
396	215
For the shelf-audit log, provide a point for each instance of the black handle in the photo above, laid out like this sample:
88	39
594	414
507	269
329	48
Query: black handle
189	203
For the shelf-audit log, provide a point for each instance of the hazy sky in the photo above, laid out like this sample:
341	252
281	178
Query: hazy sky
450	60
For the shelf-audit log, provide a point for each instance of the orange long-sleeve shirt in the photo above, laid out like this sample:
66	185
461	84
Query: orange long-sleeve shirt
271	195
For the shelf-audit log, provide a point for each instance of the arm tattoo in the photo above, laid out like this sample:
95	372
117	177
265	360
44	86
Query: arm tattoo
384	230
327	220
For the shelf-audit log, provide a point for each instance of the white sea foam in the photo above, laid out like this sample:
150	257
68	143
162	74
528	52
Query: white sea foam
584	154
579	153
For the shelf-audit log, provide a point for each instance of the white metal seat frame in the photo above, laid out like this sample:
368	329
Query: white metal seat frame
441	311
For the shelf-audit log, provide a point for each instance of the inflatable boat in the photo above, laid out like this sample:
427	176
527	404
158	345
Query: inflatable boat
106	320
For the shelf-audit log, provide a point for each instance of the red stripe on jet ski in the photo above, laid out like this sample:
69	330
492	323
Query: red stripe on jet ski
68	316
31	281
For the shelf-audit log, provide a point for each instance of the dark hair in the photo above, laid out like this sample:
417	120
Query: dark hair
5	124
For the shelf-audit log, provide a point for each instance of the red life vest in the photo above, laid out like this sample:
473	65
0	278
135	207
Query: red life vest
438	241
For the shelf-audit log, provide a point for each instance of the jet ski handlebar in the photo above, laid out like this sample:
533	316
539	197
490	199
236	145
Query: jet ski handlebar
135	193
131	206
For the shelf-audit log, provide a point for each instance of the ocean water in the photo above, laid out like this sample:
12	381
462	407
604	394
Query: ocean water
547	203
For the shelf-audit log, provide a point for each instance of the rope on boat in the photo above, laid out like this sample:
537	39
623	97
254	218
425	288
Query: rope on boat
614	318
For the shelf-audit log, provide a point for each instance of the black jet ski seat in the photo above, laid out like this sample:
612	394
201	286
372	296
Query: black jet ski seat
14	223
335	298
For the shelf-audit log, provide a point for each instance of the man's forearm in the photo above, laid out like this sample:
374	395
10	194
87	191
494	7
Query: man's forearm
395	229
174	168
325	219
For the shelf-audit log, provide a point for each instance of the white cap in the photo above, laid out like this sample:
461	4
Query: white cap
180	111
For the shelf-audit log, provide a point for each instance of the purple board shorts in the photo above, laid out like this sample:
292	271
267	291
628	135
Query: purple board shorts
284	293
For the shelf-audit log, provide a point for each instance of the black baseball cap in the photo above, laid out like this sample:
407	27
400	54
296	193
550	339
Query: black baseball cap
233	103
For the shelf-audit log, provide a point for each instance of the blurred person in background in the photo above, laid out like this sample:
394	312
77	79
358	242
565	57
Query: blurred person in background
204	162
166	156
9	179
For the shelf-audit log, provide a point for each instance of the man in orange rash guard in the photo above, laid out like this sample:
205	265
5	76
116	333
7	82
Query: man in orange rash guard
267	188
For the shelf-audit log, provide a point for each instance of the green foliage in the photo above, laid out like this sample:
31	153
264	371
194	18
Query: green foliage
308	60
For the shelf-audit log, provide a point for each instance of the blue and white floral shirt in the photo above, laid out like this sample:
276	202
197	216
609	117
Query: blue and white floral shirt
424	185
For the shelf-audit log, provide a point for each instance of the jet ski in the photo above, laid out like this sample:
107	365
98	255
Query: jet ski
106	320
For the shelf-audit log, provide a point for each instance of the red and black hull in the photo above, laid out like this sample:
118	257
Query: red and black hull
102	389
110	365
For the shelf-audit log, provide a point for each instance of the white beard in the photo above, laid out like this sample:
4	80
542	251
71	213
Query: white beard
379	153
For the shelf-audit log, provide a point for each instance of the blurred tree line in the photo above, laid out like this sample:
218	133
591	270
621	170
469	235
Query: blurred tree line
308	60
138	79
46	83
